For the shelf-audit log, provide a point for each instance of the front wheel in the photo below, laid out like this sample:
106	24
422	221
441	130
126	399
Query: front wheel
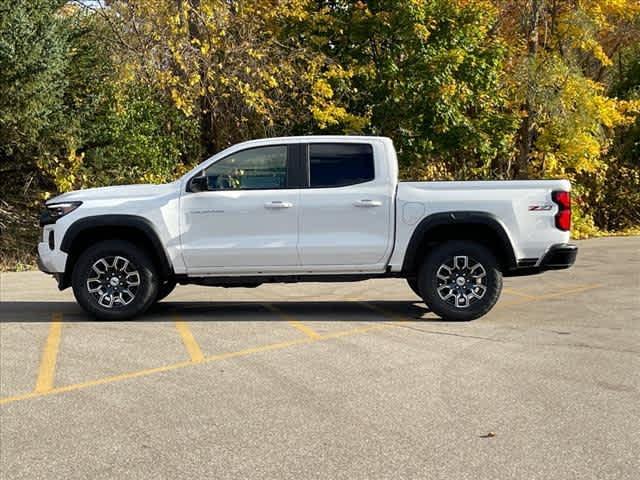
413	285
114	280
165	289
460	280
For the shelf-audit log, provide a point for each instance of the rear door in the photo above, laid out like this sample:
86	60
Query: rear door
346	212
246	219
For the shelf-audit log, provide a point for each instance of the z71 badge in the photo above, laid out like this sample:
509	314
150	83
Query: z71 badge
540	208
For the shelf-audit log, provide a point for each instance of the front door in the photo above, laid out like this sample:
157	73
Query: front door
245	218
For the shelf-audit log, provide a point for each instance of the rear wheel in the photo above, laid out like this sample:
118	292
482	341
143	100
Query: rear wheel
114	280
460	280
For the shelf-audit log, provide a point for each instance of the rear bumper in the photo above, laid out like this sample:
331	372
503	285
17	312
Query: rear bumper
559	256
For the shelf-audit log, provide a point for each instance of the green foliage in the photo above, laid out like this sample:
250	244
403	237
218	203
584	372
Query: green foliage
69	118
144	131
231	65
426	74
33	47
616	202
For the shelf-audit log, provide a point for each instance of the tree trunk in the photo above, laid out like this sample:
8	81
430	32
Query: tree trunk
526	133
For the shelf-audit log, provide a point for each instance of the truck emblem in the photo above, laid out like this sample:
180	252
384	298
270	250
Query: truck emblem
540	208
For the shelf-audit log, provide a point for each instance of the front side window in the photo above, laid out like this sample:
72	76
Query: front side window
340	164
253	169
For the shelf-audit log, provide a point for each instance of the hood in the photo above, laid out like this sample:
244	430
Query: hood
130	192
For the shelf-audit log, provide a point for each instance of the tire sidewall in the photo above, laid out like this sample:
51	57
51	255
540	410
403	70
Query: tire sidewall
428	281
147	291
165	289
414	285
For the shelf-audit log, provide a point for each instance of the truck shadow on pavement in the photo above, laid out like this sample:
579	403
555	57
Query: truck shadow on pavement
240	311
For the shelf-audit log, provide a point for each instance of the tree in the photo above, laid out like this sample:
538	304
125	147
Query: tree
230	64
561	51
33	47
427	74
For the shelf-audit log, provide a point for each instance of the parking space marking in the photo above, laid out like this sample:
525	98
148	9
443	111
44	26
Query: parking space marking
537	298
387	313
189	341
517	293
179	365
308	331
47	370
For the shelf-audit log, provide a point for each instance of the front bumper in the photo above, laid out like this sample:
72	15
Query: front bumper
51	261
559	256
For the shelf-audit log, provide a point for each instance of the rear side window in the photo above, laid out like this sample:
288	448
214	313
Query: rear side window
340	164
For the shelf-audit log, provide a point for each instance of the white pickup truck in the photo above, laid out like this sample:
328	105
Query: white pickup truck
314	208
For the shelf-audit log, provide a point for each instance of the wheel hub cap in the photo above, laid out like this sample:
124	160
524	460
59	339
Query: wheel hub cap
113	281
461	281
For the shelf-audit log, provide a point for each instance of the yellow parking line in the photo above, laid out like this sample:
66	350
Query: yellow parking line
249	351
47	370
189	341
175	366
517	293
308	331
582	288
387	313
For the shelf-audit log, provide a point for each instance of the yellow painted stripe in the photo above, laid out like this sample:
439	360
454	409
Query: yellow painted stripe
569	291
175	366
517	293
189	341
47	370
250	351
308	331
580	288
387	313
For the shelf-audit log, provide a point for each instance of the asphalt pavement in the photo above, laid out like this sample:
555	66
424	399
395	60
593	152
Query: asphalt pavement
337	381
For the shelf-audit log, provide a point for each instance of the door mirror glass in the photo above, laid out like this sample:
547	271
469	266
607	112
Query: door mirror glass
198	184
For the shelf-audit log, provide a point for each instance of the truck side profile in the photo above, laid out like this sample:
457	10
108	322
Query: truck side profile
312	208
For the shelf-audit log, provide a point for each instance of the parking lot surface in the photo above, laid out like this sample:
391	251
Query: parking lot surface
329	381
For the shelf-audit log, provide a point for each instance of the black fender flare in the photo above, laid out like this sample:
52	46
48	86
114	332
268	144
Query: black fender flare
433	221
136	222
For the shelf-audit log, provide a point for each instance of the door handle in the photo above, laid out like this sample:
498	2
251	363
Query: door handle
277	204
367	203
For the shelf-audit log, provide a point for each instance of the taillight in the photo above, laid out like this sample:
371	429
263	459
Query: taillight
563	217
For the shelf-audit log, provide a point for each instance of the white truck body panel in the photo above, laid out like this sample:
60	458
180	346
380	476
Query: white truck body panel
531	232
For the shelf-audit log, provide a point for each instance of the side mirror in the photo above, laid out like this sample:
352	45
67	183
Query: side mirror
199	184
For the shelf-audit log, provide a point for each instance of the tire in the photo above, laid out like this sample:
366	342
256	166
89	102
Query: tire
457	289
413	285
165	289
114	280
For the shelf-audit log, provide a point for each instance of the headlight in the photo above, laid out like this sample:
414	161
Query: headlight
55	211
